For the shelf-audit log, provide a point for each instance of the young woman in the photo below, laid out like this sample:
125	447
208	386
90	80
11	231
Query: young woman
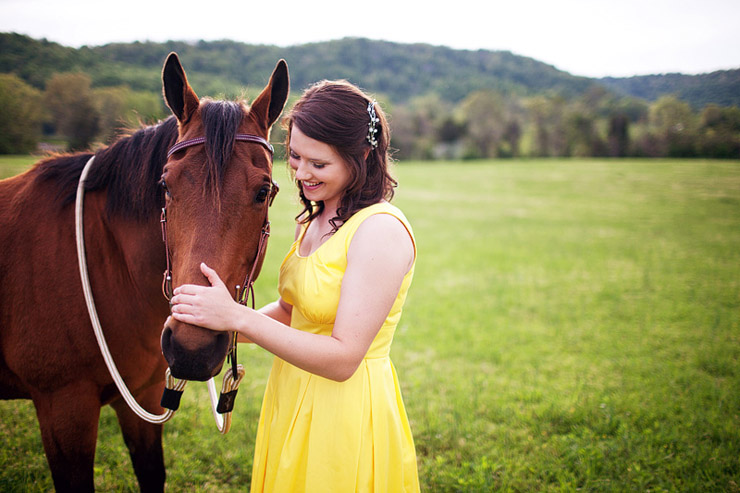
332	418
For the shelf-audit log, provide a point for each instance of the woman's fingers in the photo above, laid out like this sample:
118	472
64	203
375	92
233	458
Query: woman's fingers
195	289
187	289
184	312
183	317
184	298
211	275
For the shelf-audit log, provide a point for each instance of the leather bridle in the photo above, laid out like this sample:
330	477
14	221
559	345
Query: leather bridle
247	288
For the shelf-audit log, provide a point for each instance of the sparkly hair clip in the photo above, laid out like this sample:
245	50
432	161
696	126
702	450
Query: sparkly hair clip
372	130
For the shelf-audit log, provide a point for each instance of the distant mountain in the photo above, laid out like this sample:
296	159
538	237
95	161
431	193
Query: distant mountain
394	70
721	87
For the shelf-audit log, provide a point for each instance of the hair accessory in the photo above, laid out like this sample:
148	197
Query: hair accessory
373	120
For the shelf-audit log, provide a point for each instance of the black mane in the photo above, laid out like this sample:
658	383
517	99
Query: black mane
130	168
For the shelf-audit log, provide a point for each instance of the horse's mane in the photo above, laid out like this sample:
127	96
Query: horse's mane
130	168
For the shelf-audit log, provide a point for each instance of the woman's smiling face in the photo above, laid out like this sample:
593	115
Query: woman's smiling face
322	172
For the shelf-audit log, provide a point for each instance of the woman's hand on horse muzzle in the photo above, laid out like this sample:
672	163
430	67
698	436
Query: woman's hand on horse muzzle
211	307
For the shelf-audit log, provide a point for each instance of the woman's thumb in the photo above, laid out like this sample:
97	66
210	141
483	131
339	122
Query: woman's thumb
211	275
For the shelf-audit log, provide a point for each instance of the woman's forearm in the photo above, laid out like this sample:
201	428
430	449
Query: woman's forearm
322	355
277	310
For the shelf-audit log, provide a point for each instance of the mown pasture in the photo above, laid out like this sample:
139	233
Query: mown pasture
573	325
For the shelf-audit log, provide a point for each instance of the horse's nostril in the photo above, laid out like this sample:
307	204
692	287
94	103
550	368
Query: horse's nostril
223	338
166	341
194	353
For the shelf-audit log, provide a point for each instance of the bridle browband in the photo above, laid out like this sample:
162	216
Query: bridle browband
256	139
226	401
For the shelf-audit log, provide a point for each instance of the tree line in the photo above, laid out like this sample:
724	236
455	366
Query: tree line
443	103
485	124
488	124
71	111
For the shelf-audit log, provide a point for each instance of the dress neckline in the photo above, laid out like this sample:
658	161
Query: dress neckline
299	242
303	235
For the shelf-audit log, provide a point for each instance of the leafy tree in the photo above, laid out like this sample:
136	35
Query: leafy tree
404	136
580	127
675	125
720	132
111	105
415	127
451	130
512	136
619	139
21	115
546	116
121	108
484	116
636	110
71	102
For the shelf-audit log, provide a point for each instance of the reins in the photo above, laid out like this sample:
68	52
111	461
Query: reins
174	387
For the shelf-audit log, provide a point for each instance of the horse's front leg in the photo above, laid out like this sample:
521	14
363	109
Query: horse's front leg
144	440
68	418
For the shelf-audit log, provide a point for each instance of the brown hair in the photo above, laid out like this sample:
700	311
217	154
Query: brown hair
336	113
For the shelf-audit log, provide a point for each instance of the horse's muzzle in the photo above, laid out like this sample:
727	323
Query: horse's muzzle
194	353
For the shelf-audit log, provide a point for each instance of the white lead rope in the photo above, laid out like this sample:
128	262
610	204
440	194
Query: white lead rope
229	384
87	289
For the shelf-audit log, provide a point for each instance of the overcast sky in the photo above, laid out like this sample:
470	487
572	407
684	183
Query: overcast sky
593	38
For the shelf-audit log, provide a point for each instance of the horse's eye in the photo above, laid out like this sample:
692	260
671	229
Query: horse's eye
163	184
263	194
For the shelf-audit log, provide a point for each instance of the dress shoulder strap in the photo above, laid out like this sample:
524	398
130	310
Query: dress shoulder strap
349	228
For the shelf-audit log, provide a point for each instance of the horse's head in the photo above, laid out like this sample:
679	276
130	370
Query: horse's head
217	193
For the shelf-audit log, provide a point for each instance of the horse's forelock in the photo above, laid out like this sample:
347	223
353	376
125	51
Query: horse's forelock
221	122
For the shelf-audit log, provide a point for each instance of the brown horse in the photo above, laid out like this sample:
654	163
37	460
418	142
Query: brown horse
216	196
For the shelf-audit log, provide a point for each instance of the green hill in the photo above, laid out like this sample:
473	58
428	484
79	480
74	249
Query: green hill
721	87
397	71
400	71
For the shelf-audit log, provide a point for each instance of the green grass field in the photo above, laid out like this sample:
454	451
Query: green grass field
573	325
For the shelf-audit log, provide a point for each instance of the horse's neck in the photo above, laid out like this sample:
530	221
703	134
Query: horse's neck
136	257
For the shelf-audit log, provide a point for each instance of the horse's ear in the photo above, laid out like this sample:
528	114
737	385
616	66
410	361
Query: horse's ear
178	94
269	104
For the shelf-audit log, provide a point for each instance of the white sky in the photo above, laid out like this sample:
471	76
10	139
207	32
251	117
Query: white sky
593	38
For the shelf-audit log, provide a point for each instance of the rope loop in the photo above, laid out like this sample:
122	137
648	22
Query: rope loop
222	410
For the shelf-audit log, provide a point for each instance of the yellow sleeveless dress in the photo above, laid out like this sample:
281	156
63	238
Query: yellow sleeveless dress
318	435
